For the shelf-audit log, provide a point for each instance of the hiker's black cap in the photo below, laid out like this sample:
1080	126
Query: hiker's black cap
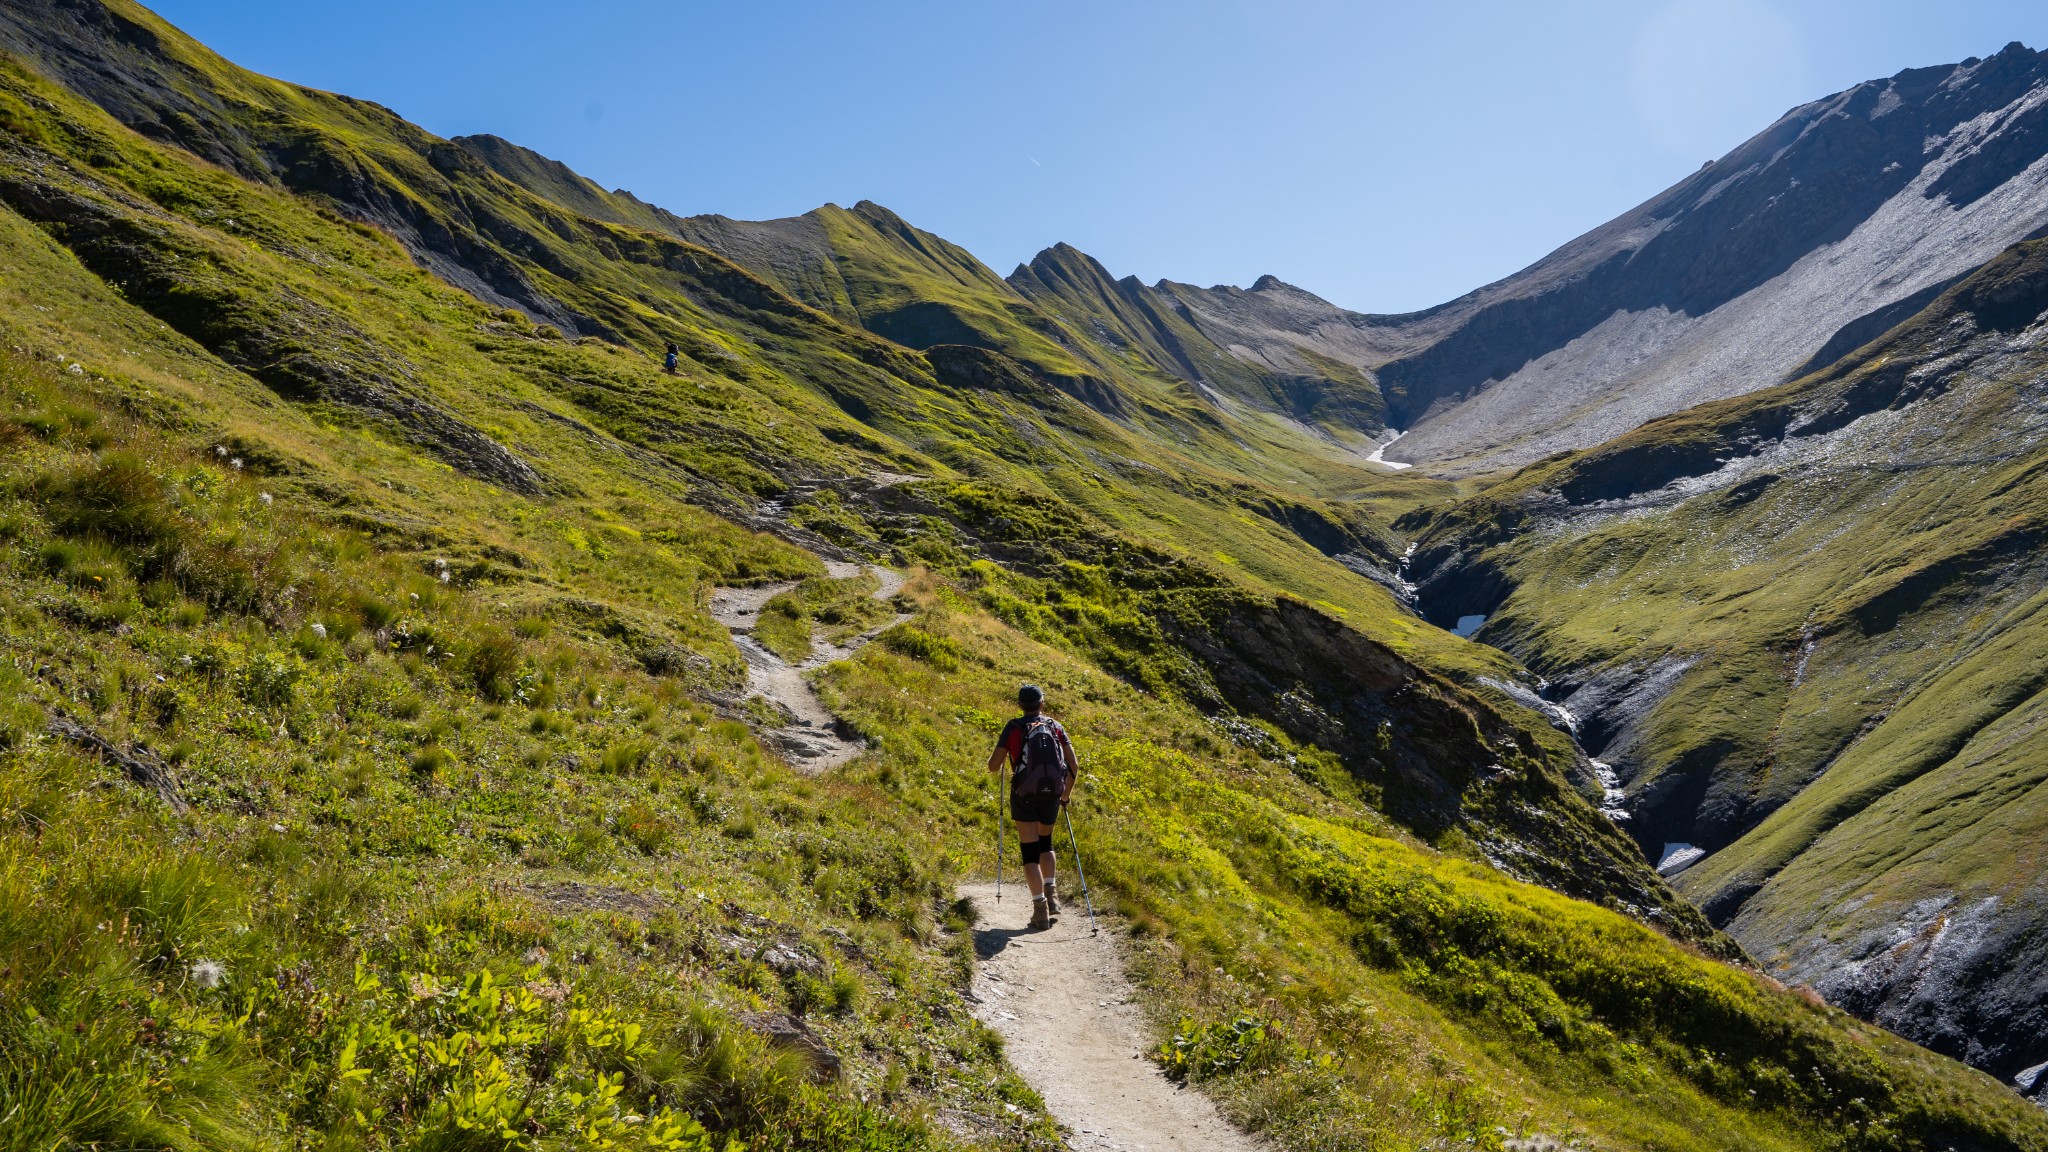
1029	696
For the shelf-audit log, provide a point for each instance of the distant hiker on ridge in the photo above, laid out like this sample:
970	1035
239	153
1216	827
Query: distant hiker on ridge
1038	748
668	363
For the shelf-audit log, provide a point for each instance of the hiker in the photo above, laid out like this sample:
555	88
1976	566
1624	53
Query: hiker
668	362
1044	766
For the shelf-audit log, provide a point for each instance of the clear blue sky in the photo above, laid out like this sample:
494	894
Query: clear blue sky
1388	156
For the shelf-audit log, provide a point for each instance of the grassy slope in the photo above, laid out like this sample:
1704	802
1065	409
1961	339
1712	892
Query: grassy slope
868	266
1865	610
779	401
1145	330
521	760
437	788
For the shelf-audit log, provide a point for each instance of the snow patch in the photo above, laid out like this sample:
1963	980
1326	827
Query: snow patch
1677	857
1378	456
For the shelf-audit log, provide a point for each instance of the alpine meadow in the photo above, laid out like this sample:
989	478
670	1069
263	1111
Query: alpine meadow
429	721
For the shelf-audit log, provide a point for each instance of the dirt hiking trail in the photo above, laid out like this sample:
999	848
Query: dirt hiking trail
813	739
1063	1006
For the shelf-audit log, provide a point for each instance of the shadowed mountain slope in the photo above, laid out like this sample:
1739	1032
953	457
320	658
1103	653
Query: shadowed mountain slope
1828	227
1740	274
1806	629
1223	340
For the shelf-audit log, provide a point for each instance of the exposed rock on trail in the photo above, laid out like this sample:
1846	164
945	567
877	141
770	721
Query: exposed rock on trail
1061	1002
814	740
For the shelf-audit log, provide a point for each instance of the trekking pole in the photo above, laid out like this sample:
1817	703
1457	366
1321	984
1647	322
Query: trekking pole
999	836
1086	899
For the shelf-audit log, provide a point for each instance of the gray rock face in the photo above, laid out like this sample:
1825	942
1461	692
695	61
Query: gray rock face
1967	979
1737	276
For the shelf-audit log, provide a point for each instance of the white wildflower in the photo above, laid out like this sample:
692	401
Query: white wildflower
444	575
265	497
277	828
236	463
220	451
319	630
209	974
76	369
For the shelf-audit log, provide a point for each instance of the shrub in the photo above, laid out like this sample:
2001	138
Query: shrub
88	564
645	828
493	664
118	499
216	574
270	679
845	991
376	614
1198	1051
431	761
625	759
784	628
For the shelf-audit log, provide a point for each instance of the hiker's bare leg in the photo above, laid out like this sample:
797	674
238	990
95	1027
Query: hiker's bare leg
1027	832
1048	865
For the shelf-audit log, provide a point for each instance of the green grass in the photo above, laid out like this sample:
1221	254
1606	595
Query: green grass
447	728
429	865
1400	995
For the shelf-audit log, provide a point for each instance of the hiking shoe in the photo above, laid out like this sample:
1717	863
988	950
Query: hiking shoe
1052	900
1039	919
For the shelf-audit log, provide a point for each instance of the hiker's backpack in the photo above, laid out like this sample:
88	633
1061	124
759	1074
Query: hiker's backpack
1043	769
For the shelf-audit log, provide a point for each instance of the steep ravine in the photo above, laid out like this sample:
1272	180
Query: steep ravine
1807	630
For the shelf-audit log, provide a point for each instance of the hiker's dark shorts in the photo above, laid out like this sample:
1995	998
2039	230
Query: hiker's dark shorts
1042	809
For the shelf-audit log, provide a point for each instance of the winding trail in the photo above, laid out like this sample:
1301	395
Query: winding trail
814	740
1059	997
1063	1006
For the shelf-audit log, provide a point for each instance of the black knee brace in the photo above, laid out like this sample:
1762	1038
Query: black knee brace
1030	850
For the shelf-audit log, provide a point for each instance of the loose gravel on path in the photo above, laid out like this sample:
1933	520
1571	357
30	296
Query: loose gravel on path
813	739
1062	1003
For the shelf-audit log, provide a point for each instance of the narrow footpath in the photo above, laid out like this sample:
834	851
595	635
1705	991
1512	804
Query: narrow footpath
813	739
1059	998
1063	1006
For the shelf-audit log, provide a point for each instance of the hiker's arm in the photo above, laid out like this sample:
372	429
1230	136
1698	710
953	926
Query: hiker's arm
996	758
1073	765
